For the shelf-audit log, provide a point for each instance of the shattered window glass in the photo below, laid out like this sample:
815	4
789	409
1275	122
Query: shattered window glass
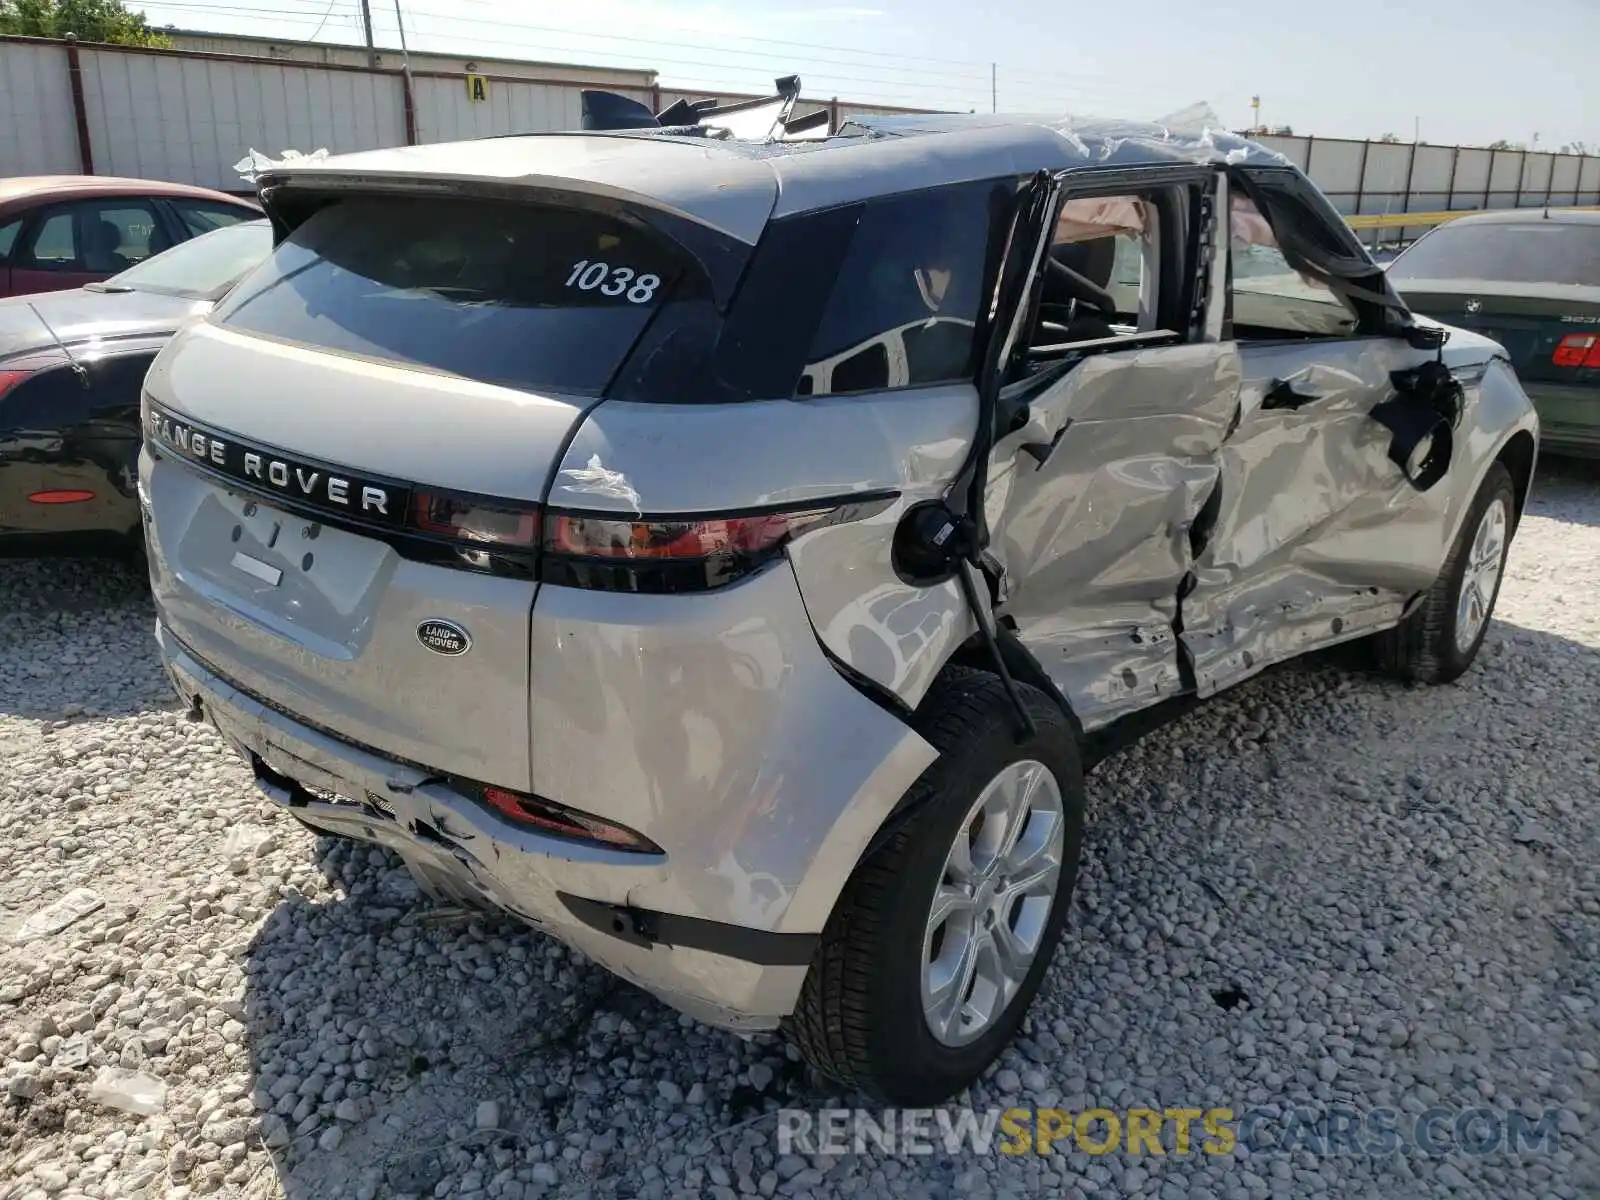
1270	296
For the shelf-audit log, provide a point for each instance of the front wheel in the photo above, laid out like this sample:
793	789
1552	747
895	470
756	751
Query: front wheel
1441	637
942	937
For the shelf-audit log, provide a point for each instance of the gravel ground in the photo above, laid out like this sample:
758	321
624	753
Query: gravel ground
1325	888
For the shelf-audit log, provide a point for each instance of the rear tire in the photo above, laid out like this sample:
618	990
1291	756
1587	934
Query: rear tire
885	963
1441	637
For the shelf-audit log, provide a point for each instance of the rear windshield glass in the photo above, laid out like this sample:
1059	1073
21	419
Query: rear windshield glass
204	266
1535	252
525	295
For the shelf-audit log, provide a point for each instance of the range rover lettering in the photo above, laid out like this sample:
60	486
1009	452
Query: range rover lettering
820	508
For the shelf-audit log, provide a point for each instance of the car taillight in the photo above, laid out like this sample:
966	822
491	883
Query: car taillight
10	379
565	822
473	521
60	496
1578	350
666	554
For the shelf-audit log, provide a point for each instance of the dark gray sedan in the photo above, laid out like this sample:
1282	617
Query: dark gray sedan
71	367
1531	281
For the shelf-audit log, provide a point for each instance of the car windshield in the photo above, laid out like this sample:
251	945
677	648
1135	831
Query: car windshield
203	267
1532	251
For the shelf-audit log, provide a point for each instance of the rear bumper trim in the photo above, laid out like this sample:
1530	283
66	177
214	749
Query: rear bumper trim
642	927
459	850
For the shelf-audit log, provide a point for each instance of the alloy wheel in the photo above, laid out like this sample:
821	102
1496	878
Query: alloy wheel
992	904
1485	560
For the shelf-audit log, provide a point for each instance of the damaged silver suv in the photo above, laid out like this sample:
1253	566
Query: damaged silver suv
727	551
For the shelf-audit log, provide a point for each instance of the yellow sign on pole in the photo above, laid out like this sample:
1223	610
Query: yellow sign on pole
477	89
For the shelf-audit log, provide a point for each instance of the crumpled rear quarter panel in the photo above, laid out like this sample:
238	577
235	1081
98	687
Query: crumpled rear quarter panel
659	458
713	724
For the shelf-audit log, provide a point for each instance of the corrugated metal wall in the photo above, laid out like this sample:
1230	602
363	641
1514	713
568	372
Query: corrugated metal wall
446	113
1379	178
189	117
38	134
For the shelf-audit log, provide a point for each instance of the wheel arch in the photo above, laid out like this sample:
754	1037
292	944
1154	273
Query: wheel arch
1519	455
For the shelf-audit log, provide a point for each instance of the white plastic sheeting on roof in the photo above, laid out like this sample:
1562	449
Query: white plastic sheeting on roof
252	164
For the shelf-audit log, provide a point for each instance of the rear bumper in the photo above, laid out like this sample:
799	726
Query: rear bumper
722	974
1569	417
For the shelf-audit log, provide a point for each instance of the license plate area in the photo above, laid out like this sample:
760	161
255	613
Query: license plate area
307	581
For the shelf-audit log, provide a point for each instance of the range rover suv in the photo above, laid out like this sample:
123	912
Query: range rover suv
727	553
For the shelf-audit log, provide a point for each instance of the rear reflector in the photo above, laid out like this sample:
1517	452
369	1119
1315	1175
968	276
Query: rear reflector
65	496
564	822
1578	350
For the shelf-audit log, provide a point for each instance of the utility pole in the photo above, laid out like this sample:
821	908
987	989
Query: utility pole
994	87
366	25
405	68
405	55
1416	130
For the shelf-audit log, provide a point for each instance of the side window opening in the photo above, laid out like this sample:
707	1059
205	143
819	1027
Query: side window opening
1104	278
116	236
1267	297
101	239
8	238
54	246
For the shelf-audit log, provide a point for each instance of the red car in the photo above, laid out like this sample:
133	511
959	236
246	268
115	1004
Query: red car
63	231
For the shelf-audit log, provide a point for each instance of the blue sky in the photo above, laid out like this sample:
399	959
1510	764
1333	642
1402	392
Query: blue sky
1466	71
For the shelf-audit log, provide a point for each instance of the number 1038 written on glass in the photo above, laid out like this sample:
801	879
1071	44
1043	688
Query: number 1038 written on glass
613	281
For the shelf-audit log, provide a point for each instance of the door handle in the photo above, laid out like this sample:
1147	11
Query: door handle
1285	393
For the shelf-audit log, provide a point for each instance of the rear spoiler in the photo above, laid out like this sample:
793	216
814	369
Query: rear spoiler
766	119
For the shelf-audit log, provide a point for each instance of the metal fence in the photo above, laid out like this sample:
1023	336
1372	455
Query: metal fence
188	116
1385	178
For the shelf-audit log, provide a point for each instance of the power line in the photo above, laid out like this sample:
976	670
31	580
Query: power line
966	93
979	73
324	21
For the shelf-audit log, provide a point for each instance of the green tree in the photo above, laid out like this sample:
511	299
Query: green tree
88	20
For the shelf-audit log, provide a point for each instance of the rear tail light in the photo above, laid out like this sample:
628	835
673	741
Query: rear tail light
60	496
10	379
1578	350
664	554
565	822
474	521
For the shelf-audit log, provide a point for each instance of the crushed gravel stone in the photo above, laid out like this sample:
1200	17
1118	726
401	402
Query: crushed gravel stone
1325	888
